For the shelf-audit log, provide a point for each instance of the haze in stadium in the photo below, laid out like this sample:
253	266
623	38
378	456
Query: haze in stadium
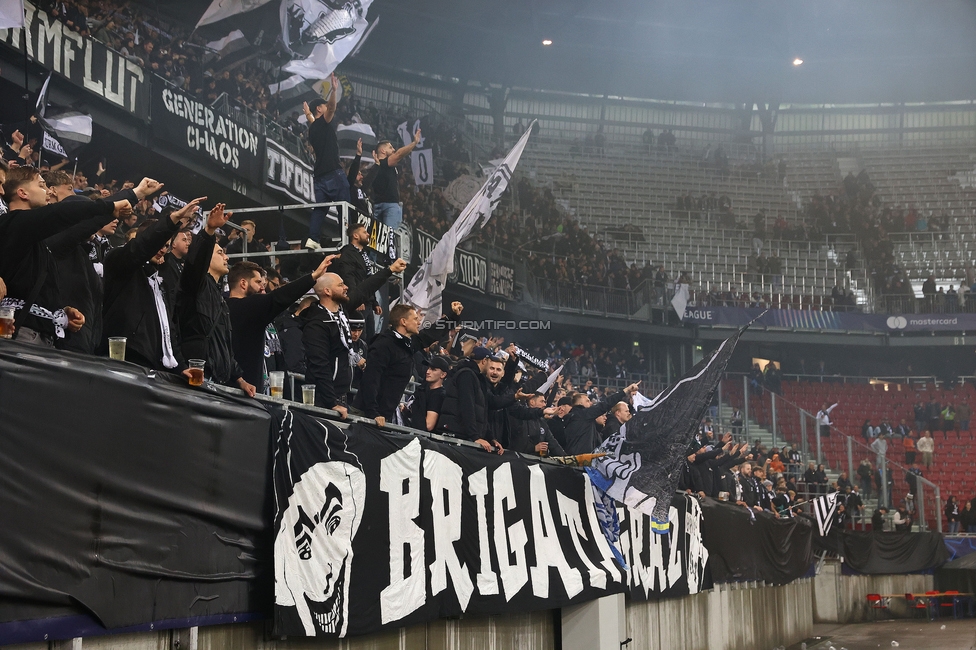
556	325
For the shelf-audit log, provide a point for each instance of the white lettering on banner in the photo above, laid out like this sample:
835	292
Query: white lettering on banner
548	551
502	280
223	140
445	488
674	566
614	570
569	513
400	479
288	174
697	553
471	271
478	488
81	60
510	541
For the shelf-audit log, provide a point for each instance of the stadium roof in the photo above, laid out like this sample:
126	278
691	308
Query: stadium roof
697	50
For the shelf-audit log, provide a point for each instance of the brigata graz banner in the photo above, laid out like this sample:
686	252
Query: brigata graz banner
83	61
376	530
189	124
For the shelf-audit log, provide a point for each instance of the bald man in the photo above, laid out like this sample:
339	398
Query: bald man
327	337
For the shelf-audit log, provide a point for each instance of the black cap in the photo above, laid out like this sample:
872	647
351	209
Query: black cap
565	401
356	323
440	363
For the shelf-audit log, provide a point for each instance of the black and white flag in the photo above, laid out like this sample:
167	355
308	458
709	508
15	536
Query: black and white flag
310	37
425	289
11	14
65	129
643	462
825	510
421	158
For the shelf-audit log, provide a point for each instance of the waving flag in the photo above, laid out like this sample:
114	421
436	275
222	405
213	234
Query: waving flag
643	462
65	129
425	289
825	510
11	14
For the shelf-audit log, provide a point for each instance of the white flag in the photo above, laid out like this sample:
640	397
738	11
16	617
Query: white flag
11	14
680	300
553	376
221	9
427	285
422	164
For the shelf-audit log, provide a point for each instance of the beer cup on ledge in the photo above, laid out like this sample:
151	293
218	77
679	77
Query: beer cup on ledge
277	379
308	394
196	367
7	322
116	348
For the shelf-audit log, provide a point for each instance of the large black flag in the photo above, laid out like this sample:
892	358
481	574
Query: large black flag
644	458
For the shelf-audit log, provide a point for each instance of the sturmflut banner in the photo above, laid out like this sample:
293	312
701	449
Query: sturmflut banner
375	530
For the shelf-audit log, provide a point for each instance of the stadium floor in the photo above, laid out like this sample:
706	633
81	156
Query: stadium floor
945	634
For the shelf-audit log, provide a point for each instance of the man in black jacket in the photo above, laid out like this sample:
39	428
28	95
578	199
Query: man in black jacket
582	436
389	364
204	316
619	415
135	296
252	309
172	269
532	435
80	259
326	335
289	328
354	266
750	487
27	265
467	400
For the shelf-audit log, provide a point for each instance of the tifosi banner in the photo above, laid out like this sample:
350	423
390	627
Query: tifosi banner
288	174
375	530
189	124
83	61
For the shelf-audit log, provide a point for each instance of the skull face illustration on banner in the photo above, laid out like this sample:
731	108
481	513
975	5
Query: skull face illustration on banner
320	522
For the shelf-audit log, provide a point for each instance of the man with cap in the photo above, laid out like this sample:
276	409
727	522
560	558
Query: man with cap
357	354
390	363
428	399
532	435
468	399
582	436
557	425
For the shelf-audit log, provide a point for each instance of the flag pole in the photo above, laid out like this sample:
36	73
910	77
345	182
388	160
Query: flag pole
27	109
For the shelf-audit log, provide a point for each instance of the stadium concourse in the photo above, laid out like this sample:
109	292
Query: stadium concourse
315	330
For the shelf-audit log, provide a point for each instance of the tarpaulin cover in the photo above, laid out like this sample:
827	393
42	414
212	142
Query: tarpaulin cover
959	575
887	553
745	545
126	496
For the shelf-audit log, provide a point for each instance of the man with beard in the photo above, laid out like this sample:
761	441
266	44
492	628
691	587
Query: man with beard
203	314
327	337
80	257
252	309
135	296
27	265
390	363
354	266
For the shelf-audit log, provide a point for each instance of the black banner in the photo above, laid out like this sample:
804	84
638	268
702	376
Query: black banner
192	125
382	238
501	280
375	530
470	271
83	61
756	546
288	174
884	553
126	497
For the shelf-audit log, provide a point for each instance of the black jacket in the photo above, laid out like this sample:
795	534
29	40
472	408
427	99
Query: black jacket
290	335
326	358
171	270
466	402
581	434
203	315
250	316
750	490
525	434
23	254
130	305
351	267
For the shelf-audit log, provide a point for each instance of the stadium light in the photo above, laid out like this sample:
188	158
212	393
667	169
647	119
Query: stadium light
797	61
547	41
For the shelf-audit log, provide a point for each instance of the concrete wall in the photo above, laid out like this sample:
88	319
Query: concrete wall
843	599
736	616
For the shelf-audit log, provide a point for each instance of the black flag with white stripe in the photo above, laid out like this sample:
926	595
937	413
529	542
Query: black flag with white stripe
825	510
